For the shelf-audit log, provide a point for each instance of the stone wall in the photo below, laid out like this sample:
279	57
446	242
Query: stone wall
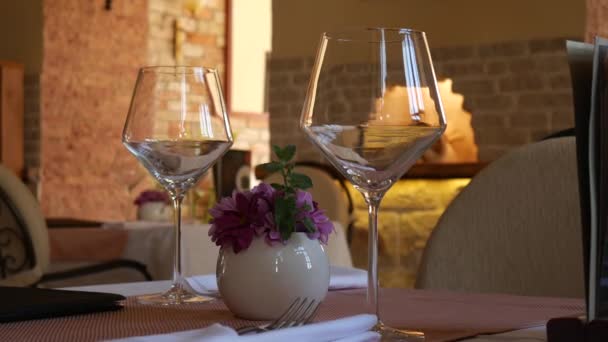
91	57
409	212
517	92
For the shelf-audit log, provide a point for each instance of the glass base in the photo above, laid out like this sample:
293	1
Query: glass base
179	293
391	334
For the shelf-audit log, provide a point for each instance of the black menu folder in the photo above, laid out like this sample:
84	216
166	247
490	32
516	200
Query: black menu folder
25	303
598	185
589	71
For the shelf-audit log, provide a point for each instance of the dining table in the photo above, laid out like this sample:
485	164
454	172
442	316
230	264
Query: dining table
441	315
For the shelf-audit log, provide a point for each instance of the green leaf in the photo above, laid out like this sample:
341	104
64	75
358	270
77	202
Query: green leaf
300	181
277	186
277	150
289	225
286	231
285	154
310	226
290	152
272	166
285	210
280	211
285	215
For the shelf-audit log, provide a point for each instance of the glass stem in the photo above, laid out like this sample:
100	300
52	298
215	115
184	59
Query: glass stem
177	257
373	201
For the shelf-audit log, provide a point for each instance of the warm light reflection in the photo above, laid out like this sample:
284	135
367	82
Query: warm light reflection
458	141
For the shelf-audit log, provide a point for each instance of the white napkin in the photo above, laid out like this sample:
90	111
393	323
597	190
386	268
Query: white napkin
349	329
340	278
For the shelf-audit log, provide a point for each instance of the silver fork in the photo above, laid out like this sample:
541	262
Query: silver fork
300	312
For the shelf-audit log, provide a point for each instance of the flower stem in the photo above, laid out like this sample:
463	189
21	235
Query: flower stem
285	172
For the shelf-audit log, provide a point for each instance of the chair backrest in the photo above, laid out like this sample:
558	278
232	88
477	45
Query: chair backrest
515	228
24	245
330	192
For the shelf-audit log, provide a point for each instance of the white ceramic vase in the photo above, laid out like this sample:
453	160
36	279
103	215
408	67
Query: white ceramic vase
154	211
260	283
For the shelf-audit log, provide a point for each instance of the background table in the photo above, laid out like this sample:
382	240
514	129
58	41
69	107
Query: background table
151	244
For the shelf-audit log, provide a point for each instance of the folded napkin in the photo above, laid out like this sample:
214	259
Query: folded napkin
340	278
349	329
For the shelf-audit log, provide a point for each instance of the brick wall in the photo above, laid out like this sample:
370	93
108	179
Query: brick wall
90	61
517	92
204	45
597	10
203	34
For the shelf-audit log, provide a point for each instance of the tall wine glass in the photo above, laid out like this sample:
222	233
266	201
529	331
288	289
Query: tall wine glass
177	128
373	108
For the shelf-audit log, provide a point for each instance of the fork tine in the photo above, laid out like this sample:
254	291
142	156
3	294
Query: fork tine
291	318
300	312
313	313
279	321
305	314
285	318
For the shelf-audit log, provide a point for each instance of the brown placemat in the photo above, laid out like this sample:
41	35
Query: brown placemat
441	315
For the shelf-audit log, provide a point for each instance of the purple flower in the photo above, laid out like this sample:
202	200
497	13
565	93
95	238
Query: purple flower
264	189
304	200
309	209
323	224
273	236
151	196
236	220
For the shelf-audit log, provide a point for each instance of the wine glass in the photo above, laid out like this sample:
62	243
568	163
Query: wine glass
373	108
177	127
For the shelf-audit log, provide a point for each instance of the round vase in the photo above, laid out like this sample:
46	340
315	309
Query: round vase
260	282
154	211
